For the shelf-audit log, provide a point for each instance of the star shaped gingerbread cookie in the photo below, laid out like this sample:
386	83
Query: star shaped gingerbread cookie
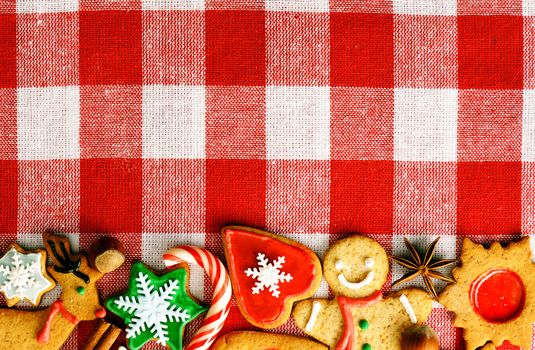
23	275
494	297
156	307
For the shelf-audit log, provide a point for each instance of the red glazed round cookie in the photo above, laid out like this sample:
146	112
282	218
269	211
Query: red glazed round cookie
494	297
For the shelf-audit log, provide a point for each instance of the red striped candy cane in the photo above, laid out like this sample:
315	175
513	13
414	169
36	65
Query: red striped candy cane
220	306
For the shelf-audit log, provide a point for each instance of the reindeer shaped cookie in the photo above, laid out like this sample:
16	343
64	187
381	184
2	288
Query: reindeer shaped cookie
79	301
359	317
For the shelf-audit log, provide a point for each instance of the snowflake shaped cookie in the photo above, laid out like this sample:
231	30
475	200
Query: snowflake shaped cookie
268	275
156	307
23	275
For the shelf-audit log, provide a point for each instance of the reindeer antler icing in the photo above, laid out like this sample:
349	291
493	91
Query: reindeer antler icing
67	264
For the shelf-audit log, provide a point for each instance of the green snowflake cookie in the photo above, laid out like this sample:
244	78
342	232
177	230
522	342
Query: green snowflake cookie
155	307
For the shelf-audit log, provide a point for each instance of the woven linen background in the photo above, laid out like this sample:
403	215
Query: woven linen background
160	121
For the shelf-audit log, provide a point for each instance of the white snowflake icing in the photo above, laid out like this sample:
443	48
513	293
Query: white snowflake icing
152	309
21	276
268	275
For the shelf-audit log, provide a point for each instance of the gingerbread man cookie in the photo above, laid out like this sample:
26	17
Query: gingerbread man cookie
359	317
494	297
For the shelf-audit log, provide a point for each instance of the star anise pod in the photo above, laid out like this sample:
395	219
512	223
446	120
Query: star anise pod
422	266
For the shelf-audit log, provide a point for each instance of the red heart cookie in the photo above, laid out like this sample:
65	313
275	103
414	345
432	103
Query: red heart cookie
269	273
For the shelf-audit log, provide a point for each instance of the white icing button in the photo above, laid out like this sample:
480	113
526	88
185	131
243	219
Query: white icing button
369	262
339	265
408	308
316	307
122	348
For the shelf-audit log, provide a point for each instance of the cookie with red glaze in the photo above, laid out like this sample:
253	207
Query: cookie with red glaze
269	273
494	297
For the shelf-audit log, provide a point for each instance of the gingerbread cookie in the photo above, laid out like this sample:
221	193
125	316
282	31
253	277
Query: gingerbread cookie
268	273
377	322
494	297
359	317
246	340
23	275
156	306
49	328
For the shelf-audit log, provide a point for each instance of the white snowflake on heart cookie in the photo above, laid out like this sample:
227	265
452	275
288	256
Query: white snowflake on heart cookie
23	275
268	275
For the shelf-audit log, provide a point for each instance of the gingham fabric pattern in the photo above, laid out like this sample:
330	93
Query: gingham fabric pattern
160	121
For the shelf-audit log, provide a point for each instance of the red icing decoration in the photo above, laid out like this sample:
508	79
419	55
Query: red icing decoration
100	313
43	336
243	248
498	295
346	341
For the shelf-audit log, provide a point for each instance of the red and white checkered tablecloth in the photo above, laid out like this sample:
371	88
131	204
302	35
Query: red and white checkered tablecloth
160	121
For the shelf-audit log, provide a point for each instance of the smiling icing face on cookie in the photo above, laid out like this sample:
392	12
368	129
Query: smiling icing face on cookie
369	262
355	266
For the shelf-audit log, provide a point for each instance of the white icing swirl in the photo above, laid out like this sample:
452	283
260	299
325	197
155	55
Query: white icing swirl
316	307
408	307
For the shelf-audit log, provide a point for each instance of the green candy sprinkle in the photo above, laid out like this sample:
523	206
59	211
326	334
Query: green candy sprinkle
80	290
366	346
363	324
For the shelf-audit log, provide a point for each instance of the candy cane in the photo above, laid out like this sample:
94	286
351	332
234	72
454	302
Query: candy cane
219	309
